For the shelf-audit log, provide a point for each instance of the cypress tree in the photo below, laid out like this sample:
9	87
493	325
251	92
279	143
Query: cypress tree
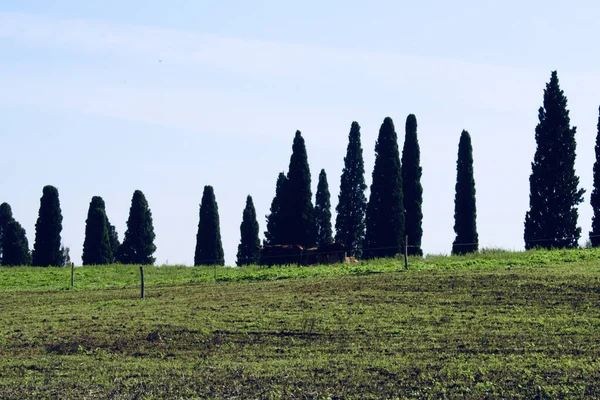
554	195
15	247
323	211
411	187
113	238
209	250
595	197
385	212
5	217
47	248
465	212
96	245
138	242
248	249
275	224
352	202
297	210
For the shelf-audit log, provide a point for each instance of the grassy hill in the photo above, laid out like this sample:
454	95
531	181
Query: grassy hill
497	324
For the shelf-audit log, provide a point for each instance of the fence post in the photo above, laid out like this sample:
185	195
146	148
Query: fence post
72	274
142	278
406	252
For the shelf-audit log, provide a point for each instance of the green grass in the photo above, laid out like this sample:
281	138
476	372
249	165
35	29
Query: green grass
499	324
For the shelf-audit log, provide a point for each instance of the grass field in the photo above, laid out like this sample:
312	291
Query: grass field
498	324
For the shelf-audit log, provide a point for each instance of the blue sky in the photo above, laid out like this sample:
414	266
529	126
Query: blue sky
106	97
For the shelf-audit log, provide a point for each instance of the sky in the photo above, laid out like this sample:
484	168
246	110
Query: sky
106	97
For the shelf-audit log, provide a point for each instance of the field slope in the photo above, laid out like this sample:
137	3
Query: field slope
496	325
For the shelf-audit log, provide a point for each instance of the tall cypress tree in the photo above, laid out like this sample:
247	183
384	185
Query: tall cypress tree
465	211
47	249
385	211
352	202
209	250
96	245
554	195
297	210
138	243
323	211
248	249
411	187
275	222
595	197
5	217
15	247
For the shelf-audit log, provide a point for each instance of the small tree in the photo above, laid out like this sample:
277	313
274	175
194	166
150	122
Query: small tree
6	217
113	238
465	213
323	211
385	211
248	249
15	247
275	222
96	245
595	198
138	243
209	250
412	189
554	195
46	249
352	202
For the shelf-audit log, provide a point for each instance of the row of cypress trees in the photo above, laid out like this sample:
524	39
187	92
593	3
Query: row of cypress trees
101	244
377	228
378	225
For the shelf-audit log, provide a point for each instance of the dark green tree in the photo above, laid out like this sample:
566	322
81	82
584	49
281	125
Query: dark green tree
323	211
138	242
96	245
465	211
411	187
209	250
15	247
5	217
47	246
385	212
297	210
595	198
551	221
275	223
113	238
352	202
248	249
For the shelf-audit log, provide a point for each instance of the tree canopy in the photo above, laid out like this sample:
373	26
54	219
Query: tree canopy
352	202
385	211
465	211
209	250
138	242
248	249
554	194
411	187
47	245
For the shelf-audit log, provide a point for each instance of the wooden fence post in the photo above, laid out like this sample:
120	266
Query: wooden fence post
142	278
72	274
406	252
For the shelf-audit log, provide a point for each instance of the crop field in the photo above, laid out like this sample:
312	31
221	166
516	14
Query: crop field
499	324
